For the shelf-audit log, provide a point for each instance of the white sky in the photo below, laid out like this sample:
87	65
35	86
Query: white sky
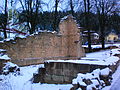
63	5
50	6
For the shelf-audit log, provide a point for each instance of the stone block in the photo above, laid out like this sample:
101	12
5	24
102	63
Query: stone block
67	66
55	71
68	79
58	79
36	78
58	65
67	72
48	78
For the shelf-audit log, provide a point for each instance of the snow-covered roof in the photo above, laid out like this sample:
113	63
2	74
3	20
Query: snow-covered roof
95	34
87	31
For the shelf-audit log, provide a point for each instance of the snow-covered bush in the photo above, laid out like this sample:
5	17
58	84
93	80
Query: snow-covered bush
92	81
10	68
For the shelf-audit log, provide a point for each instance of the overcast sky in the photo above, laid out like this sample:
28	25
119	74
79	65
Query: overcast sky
63	5
49	7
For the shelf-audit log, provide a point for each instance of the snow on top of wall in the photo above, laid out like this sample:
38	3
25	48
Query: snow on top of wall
2	50
96	59
8	39
66	17
4	57
14	36
70	16
100	46
115	51
10	64
110	61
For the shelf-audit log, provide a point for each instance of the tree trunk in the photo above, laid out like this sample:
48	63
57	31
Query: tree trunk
55	16
72	8
102	30
5	23
88	21
32	28
102	25
87	11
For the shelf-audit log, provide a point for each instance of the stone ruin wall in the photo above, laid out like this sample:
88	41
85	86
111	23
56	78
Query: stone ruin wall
61	72
45	45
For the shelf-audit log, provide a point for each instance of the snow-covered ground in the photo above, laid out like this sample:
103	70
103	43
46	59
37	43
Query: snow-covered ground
23	81
115	82
100	46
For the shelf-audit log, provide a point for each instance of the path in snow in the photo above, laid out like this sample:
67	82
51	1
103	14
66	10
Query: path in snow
116	81
101	55
116	85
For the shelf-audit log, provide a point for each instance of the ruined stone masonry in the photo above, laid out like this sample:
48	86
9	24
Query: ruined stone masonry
46	45
63	72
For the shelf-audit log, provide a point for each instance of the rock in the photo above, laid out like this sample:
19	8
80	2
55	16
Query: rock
10	68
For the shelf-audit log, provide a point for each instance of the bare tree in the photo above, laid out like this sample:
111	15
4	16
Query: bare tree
55	15
31	7
87	12
104	8
72	7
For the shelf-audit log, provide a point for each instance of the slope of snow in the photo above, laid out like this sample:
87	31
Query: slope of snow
23	81
115	82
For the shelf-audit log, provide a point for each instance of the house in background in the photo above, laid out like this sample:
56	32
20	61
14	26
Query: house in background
112	37
94	37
